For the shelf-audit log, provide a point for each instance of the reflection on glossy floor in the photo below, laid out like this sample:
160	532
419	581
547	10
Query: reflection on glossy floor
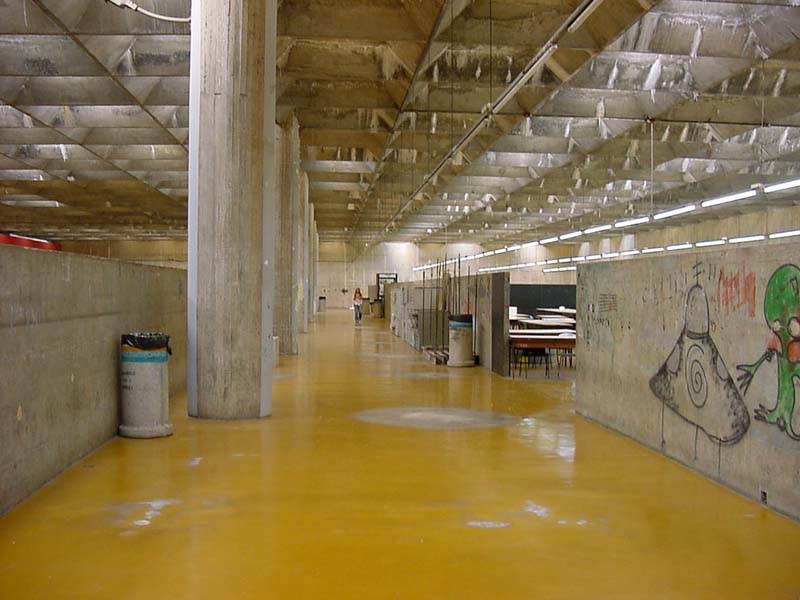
315	504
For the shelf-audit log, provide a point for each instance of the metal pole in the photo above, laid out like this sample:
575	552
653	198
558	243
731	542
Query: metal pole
421	326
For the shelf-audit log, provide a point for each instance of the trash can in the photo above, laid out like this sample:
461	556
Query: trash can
460	348
321	303
145	385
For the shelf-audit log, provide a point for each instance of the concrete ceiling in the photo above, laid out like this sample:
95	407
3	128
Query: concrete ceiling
644	105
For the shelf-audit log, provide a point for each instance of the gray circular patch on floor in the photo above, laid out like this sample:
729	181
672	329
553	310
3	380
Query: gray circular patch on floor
434	417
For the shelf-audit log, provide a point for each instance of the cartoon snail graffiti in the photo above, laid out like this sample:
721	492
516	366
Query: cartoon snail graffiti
694	381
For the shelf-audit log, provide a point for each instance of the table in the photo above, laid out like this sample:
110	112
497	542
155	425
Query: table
559	311
540	332
537	342
560	323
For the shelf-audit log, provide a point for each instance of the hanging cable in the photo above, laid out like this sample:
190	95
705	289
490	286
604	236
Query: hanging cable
136	8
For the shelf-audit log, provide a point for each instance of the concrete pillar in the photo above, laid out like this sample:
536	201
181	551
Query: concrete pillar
288	257
311	265
303	252
228	370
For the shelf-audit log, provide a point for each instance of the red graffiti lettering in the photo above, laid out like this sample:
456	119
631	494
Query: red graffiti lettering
735	292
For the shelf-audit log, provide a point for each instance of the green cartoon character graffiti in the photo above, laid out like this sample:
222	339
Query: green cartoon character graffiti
782	312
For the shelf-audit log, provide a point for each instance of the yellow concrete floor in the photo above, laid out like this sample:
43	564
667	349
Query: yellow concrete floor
313	504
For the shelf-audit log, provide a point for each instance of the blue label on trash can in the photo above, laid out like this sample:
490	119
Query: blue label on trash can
146	356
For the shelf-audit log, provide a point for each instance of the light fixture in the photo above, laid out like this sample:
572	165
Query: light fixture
675	212
22	202
548	240
610	254
513	247
530	244
652	250
707	243
552	261
746	238
779	187
570	235
578	258
597	229
684	246
581	18
27	237
564	260
593	256
784	234
729	198
629	253
630	222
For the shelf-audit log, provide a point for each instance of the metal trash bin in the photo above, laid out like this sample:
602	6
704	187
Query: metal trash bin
460	341
321	303
144	410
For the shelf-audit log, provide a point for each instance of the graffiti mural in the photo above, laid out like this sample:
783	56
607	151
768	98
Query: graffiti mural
694	381
782	314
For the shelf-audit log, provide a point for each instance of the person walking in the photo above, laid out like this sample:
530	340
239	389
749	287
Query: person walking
357	301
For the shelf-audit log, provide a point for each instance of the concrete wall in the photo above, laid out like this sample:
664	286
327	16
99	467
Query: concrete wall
664	346
486	296
341	267
158	253
61	316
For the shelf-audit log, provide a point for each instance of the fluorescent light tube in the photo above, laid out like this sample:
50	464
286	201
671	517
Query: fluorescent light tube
652	250
578	258
629	253
500	251
570	235
597	229
746	238
581	18
530	244
779	187
513	248
729	198
593	257
548	240
784	234
611	255
552	261
630	222
564	260
710	243
675	212
685	246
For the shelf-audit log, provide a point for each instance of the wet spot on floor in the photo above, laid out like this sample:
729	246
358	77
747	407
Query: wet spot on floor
488	524
536	509
426	375
434	417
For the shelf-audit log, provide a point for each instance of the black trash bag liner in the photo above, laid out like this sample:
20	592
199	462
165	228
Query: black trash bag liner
146	341
461	318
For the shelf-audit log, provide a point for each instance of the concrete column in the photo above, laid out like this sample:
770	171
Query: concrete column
311	265
229	90
303	252
288	257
